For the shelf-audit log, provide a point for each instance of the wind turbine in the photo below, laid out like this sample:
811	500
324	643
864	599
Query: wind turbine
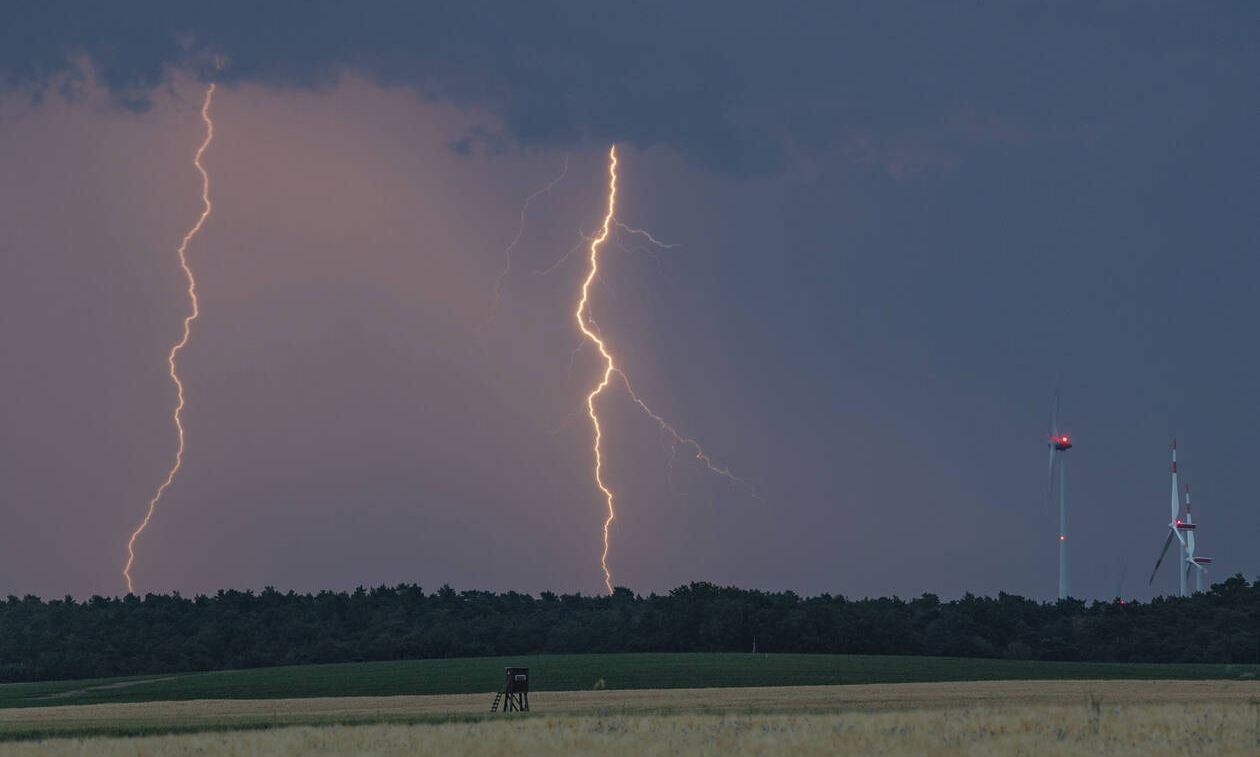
1120	583
1197	564
1060	443
1177	528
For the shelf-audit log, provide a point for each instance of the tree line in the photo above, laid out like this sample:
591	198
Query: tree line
106	636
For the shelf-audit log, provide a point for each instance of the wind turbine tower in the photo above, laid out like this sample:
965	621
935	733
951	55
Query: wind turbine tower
1193	562
1060	443
1181	529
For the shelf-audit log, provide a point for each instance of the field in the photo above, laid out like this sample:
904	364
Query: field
627	704
584	673
1045	717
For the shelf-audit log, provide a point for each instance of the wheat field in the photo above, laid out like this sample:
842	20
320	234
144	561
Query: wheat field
1088	729
972	718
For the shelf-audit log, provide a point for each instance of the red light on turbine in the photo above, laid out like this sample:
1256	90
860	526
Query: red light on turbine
1062	537
1061	442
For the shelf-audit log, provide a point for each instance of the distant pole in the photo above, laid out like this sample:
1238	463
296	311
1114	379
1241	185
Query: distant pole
1060	443
1063	529
1176	509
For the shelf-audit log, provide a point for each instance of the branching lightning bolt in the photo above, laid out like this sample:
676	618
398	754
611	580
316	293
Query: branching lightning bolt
183	341
648	235
583	239
678	440
520	232
609	366
591	332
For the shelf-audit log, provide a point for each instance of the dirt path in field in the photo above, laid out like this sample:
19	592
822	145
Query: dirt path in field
105	687
785	699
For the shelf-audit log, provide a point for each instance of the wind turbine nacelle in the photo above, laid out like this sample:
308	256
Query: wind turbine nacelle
1201	560
1062	442
1181	525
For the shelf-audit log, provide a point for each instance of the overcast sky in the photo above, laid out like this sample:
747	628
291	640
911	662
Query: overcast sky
898	226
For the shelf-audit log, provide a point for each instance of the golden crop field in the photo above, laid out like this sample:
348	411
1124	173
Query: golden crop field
989	717
1086	729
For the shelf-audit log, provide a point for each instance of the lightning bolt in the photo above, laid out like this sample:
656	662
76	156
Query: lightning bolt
520	231
583	239
677	440
648	235
591	333
183	341
583	318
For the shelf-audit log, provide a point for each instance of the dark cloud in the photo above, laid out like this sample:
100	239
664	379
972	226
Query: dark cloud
902	225
730	85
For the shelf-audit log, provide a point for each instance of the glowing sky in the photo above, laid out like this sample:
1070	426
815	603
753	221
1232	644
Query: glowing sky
899	231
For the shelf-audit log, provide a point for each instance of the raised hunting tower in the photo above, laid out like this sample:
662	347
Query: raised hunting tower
515	693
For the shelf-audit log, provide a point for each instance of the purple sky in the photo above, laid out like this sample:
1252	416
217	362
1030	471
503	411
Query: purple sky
878	285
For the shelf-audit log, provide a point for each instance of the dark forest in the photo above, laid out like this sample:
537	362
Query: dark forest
41	640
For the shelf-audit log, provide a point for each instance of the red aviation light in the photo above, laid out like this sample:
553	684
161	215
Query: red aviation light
1061	442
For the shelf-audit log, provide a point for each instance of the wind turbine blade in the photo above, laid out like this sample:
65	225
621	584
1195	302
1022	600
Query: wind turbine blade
1050	484
1054	434
1176	502
1162	552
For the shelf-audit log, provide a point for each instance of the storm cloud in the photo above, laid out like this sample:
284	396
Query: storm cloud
902	226
736	87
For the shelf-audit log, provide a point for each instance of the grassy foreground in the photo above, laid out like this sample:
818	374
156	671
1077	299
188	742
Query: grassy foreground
583	672
1089	728
332	714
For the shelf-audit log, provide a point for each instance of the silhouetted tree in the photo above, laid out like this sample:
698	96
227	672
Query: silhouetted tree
63	638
